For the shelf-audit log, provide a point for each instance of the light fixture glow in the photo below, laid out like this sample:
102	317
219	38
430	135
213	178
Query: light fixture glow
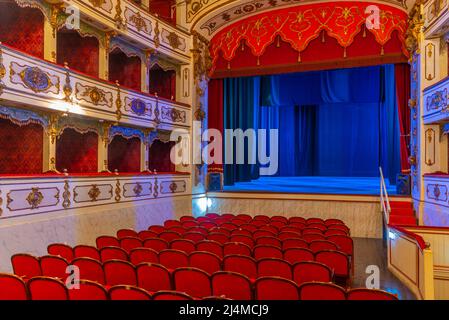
391	235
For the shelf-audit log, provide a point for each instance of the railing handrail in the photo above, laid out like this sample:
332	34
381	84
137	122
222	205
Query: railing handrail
384	201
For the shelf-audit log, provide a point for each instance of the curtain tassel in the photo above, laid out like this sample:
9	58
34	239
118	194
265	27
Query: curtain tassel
258	61
344	52
364	31
243	46
382	51
323	40
229	65
299	56
278	42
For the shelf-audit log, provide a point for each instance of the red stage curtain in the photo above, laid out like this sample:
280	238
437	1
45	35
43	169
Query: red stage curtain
124	154
22	28
215	114
163	82
21	148
160	156
77	152
81	53
125	69
402	77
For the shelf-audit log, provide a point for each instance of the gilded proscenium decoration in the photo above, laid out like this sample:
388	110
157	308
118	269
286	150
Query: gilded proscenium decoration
94	95
94	193
155	188
415	26
35	198
105	5
34	79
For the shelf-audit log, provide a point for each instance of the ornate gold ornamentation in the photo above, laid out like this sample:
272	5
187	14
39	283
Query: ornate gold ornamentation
67	89
137	189
93	95
2	72
97	3
415	25
94	193
118	15
173	186
55	10
118	102
53	127
66	195
34	198
173	40
155	188
118	191
157	32
105	126
139	22
1	203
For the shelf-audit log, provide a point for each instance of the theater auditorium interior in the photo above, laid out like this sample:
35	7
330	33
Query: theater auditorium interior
224	150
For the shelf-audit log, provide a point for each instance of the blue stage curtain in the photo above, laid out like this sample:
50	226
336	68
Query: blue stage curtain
331	123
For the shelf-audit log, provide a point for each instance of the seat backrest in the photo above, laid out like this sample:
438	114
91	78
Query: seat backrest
278	224
61	249
194	236
173	259
248	227
139	255
241	264
12	287
338	261
263	233
229	226
314	220
113	253
145	234
83	251
153	277
243	239
333	221
189	224
267	251
54	266
245	217
313	236
275	288
279	219
118	272
90	269
294	255
122	233
242	232
236	248
26	266
179	229
289	235
341	227
319	245
297	225
169	235
88	290
320	226
212	215
219	237
231	285
210	246
344	243
157	229
262	217
334	232
294	243
107	241
272	267
185	245
237	221
171	295
270	228
208	225
171	223
369	294
309	230
220	230
308	271
186	218
46	288
192	281
122	292
206	261
272	241
156	244
129	243
296	220
321	291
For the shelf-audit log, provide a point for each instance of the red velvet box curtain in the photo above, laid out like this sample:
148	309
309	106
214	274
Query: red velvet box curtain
22	28
125	69
21	148
215	114
124	154
160	156
162	82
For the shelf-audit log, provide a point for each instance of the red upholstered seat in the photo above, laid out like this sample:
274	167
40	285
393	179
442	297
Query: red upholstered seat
267	251
278	224
208	225
171	223
292	220
129	243
199	229
245	217
231	285
192	281
107	241
294	243
169	235
369	294
212	215
46	288
54	266
220	230
262	217
229	226
321	291
219	237
210	246
194	236
157	229
272	241
12	287
173	259
236	248
118	272
145	234
206	261
90	269
279	219
122	233
337	260
88	290
26	266
83	251
241	232
339	227
227	216
308	271
289	235
294	255
238	222
319	245
298	225
258	223
334	232
60	249
344	243
186	218
270	228
139	255
179	229
314	220
310	230
272	267
249	227
202	219
128	293
185	245
153	277
274	288
113	253
171	295
263	233
190	223
243	239
289	228
241	264
156	244
313	236
333	221
320	226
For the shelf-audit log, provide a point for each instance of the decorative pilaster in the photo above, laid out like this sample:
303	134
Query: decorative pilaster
145	70
103	144
50	30
52	132
145	151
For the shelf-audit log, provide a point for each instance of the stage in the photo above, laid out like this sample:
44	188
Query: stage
314	185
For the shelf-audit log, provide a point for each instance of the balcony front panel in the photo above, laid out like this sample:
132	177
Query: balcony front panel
436	105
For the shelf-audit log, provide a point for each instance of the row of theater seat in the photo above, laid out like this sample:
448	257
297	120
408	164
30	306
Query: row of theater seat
190	283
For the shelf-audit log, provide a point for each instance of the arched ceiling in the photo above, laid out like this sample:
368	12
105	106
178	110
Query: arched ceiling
207	17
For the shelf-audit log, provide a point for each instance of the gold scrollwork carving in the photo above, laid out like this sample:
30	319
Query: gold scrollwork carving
173	186
2	72
118	15
139	22
1	203
157	32
94	193
173	40
35	198
67	89
66	195
155	188
138	189
118	191
118	102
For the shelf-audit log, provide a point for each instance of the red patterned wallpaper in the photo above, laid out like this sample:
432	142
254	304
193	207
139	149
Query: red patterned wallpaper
81	53
163	82
22	28
124	154
21	148
160	156
125	69
76	152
